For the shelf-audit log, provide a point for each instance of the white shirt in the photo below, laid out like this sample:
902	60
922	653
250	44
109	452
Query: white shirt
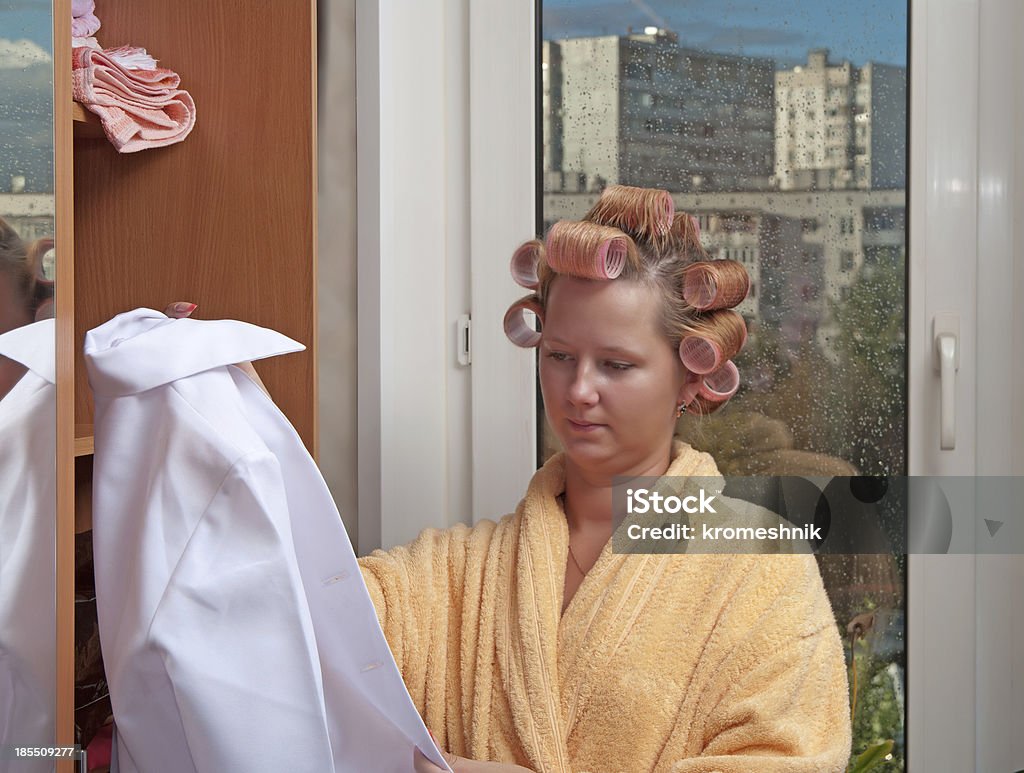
28	653
236	629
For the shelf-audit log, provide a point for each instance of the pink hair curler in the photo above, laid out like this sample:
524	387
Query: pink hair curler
700	354
519	331
666	209
645	212
716	284
719	336
524	264
610	258
721	384
586	250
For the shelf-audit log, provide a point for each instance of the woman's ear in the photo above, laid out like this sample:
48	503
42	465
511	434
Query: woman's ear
689	389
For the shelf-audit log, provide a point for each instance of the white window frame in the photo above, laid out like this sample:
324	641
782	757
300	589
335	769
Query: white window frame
416	467
965	615
443	203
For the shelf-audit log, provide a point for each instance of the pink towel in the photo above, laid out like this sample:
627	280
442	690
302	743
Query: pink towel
82	7
139	109
84	26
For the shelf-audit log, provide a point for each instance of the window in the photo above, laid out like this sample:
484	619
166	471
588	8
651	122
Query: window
806	325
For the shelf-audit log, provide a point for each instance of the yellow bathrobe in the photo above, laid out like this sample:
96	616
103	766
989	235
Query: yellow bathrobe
681	663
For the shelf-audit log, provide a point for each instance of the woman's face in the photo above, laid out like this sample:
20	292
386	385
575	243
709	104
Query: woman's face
611	380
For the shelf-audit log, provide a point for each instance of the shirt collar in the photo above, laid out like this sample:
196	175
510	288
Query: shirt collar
34	346
144	349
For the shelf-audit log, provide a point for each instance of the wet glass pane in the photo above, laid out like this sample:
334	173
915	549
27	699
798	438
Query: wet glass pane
782	128
27	390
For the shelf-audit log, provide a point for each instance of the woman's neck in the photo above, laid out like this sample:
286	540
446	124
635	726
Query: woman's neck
588	493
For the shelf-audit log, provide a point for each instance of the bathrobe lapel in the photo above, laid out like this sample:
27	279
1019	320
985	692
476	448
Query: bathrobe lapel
527	634
599	618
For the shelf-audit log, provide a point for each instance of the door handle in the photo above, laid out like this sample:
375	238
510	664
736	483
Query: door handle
946	332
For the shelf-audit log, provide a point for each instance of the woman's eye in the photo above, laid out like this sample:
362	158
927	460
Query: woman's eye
558	356
619	365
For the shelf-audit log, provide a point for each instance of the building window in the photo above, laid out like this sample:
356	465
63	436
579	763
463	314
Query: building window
846	260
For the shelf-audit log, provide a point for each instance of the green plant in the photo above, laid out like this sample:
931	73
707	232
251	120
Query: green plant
875	709
871	757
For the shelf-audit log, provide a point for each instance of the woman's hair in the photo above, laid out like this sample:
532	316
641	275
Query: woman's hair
21	265
635	234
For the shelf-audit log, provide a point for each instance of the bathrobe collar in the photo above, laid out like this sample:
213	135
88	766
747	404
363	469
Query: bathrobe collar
144	349
542	650
34	346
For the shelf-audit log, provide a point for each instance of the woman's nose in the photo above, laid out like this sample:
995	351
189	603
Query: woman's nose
583	390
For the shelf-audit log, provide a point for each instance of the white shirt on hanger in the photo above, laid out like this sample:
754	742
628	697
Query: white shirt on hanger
236	629
28	512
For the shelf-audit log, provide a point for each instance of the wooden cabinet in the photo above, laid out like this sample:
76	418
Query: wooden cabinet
226	219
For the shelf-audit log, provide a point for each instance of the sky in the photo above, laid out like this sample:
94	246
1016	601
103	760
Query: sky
28	19
855	30
26	94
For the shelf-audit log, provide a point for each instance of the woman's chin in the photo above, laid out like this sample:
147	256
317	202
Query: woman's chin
592	454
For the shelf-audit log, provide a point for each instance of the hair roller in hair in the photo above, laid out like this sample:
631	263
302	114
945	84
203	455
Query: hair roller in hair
519	331
524	264
715	284
716	338
587	250
646	212
686	231
35	253
721	384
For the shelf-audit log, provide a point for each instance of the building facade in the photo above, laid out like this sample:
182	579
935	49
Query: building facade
839	127
639	109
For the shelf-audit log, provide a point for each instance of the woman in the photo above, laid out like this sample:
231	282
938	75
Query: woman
530	642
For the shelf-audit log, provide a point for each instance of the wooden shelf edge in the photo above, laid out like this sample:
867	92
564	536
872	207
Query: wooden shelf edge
84	445
86	123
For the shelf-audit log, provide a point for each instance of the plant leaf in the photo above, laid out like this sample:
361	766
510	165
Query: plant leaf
871	757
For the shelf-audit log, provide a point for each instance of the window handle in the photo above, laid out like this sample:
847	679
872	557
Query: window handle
946	331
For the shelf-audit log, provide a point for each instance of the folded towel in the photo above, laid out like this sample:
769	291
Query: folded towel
131	58
80	8
139	108
661	663
84	26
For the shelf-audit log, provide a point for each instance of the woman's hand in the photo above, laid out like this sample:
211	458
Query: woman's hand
461	765
182	309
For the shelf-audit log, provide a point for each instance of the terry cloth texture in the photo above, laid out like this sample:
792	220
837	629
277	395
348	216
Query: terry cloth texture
139	109
667	663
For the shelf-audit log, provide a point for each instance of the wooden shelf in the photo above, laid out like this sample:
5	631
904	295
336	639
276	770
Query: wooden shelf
84	445
86	123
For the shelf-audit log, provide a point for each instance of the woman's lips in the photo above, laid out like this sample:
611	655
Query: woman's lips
583	426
